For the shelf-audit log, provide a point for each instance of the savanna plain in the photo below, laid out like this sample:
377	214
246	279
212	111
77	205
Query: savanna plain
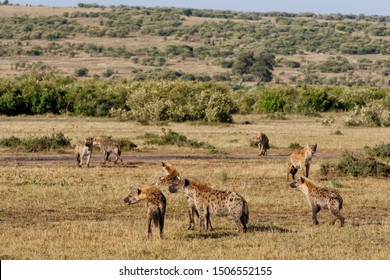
52	209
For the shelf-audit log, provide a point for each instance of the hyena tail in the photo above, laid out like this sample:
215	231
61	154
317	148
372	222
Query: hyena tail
119	151
158	218
245	213
78	158
341	203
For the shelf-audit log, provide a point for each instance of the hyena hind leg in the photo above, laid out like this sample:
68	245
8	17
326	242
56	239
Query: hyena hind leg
315	210
337	216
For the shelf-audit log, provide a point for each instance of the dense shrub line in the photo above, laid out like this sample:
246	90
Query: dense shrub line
38	143
48	91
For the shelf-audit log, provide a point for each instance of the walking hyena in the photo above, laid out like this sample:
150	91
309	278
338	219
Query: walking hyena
171	175
108	146
302	158
320	198
209	201
261	140
83	148
155	204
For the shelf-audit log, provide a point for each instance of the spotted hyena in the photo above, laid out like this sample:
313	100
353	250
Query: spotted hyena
108	146
301	158
171	175
209	201
155	204
320	198
261	140
84	148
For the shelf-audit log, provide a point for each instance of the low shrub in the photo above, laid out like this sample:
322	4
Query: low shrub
382	151
126	144
356	166
170	137
37	144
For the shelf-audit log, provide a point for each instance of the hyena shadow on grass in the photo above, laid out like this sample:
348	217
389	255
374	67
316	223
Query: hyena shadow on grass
216	234
123	165
256	228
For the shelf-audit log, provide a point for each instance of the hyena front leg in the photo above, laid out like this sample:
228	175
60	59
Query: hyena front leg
88	159
78	158
260	149
315	210
293	171
306	168
191	213
106	155
289	170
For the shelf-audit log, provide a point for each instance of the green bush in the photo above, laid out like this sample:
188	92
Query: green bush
161	100
126	144
81	72
37	144
356	166
174	138
382	151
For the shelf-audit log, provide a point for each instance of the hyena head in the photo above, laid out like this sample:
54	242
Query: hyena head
98	140
133	197
296	183
171	174
88	142
179	185
311	149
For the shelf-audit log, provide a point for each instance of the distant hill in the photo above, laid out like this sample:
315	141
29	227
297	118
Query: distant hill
139	43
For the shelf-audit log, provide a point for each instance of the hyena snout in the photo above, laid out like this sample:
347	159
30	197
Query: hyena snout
294	184
172	188
127	200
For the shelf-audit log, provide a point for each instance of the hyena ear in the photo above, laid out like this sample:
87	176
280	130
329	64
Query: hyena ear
186	182
137	191
315	147
163	164
302	179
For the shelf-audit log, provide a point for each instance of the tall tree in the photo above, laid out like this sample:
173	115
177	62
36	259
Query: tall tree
242	64
262	67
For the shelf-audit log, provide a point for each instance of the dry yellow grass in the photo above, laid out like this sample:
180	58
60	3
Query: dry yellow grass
54	210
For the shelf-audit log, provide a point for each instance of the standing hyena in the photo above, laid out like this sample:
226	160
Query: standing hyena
84	148
261	140
108	146
209	201
171	175
320	198
155	204
302	158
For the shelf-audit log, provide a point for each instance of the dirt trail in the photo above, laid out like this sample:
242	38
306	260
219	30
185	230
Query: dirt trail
135	158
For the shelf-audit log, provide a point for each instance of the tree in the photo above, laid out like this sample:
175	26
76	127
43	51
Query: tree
242	64
187	12
262	67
